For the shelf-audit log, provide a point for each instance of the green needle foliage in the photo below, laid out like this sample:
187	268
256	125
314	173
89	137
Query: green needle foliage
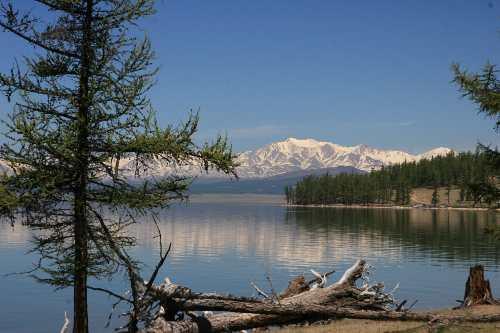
484	90
81	124
481	88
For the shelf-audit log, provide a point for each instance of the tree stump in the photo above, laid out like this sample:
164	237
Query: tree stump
477	289
295	287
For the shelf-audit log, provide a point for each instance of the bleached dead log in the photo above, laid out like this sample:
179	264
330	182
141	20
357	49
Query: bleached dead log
310	283
351	275
294	309
280	314
169	290
235	322
259	291
64	328
342	299
304	300
322	279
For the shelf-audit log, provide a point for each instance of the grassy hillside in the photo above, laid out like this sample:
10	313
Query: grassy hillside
423	196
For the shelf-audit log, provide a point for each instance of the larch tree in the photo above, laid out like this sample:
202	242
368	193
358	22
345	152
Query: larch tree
435	197
81	124
483	89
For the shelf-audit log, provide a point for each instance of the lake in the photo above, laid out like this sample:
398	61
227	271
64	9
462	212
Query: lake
222	243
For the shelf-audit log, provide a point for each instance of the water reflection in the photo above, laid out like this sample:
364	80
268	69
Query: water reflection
222	245
305	237
454	236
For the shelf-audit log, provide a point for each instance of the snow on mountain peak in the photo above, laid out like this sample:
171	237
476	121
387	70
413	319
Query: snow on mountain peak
303	142
440	151
295	154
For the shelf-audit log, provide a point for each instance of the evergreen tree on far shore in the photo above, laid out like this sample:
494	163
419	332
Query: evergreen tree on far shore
462	194
435	197
448	193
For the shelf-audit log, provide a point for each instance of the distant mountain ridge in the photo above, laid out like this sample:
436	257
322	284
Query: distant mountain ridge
294	155
309	154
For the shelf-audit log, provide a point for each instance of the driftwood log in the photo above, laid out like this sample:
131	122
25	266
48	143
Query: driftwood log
299	302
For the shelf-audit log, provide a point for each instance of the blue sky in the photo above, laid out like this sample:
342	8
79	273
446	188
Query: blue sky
350	72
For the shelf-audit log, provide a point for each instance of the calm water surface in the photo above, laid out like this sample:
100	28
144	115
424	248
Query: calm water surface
223	243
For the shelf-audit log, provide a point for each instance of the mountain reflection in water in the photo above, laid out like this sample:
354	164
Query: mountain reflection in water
223	243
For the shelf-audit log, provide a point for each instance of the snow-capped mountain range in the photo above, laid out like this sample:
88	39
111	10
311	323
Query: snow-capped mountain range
294	155
304	154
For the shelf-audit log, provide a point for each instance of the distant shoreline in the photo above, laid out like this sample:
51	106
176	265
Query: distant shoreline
357	206
277	199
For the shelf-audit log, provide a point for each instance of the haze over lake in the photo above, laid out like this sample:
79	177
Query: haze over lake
222	243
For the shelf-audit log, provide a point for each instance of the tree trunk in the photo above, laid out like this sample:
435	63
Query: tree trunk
80	314
477	289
